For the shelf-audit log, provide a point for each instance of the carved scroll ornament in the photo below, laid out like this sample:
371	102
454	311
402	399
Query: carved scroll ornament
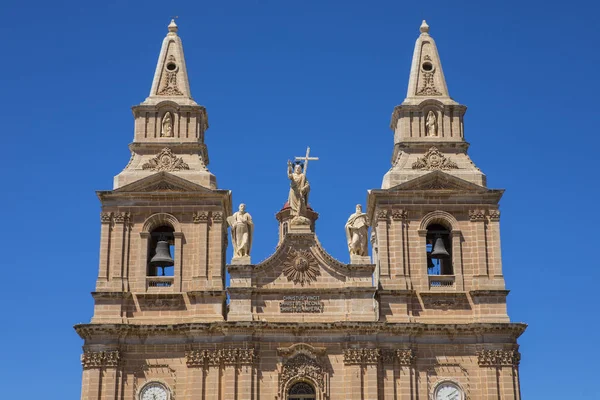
434	160
165	161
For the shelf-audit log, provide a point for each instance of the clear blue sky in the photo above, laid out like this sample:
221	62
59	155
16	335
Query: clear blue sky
275	77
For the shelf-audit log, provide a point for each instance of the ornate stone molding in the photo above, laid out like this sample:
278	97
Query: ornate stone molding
100	359
301	267
170	87
405	357
428	88
477	215
399	215
382	215
165	161
302	367
121	218
197	358
434	160
106	217
200	216
217	217
494	215
361	356
493	358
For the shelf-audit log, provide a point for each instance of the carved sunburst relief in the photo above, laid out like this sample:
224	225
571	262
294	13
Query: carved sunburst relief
301	267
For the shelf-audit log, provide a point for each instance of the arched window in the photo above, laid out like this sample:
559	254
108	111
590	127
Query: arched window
301	391
439	250
161	249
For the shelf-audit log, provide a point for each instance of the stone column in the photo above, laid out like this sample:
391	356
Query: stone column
213	375
195	360
500	368
419	257
117	249
457	264
178	267
478	245
494	252
383	243
246	360
371	359
142	265
405	359
201	268
105	237
230	381
215	251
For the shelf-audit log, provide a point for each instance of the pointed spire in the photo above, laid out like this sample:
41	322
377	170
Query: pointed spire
171	78
426	74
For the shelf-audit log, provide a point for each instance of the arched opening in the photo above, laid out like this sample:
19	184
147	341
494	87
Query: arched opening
302	391
439	250
161	249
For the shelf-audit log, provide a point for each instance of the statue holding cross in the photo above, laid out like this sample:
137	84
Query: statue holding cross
299	188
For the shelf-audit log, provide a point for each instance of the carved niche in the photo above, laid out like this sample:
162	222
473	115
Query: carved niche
165	161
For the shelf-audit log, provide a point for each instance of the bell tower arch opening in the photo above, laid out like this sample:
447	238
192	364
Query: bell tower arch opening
301	391
439	250
160	252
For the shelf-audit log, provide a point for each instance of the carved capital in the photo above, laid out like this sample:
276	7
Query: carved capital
217	217
477	215
100	359
213	357
382	215
406	357
105	217
195	358
399	215
200	216
122	218
494	215
361	356
492	358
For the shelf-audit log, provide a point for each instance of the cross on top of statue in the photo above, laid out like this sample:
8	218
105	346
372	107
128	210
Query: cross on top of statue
306	159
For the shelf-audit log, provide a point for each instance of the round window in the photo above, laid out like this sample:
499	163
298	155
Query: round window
171	67
427	66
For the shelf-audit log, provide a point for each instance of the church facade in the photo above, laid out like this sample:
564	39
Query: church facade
423	317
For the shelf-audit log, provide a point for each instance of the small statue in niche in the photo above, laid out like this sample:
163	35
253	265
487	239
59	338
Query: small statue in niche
431	124
242	230
357	233
167	126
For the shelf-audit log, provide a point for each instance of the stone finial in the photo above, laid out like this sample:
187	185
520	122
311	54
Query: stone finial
424	27
173	26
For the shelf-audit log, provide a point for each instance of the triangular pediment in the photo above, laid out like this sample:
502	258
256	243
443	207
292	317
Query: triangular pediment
438	180
162	182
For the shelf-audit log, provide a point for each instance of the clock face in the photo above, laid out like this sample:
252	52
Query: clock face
154	391
448	391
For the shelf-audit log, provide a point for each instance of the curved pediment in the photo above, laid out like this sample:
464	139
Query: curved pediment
301	260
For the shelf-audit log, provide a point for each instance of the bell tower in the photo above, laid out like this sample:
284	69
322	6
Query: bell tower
436	235
163	239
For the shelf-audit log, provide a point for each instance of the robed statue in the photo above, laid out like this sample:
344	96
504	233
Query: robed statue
357	233
167	126
298	196
242	230
431	124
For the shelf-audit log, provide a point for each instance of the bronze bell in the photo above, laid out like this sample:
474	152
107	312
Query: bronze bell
162	258
439	250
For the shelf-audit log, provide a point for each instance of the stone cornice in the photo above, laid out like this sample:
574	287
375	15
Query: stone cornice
304	290
89	331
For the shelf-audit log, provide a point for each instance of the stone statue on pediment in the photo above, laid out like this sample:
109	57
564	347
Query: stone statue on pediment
357	233
298	195
242	231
